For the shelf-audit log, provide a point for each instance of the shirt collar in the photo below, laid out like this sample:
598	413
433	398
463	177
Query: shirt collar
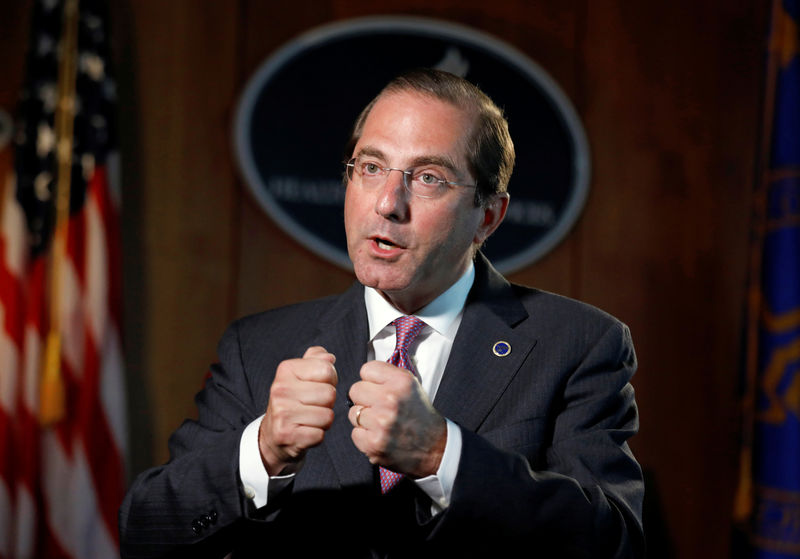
439	314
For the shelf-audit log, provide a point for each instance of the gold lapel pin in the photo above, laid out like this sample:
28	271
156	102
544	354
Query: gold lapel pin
501	349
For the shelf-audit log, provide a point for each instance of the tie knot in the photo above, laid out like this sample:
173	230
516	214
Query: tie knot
407	328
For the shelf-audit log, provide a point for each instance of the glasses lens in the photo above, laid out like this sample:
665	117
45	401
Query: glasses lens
369	173
425	184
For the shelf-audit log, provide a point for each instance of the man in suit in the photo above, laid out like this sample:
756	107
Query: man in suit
432	410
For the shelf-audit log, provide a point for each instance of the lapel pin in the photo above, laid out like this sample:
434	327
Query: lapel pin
501	349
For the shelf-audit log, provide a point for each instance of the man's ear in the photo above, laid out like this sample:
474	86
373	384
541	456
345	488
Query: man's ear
493	213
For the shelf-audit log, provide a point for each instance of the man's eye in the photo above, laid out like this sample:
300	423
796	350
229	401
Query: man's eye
428	179
370	169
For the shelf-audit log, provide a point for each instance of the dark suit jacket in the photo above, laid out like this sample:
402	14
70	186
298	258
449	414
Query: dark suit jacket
545	466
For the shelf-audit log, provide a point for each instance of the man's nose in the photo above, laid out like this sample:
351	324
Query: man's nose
392	201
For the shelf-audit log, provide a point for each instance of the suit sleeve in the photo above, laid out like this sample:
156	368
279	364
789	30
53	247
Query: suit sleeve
196	496
579	494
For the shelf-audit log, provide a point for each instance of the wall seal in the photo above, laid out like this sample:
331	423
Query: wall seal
296	112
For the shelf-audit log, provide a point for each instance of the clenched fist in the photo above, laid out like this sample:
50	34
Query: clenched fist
395	425
300	410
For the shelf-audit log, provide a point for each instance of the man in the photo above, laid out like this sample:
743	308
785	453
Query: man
432	410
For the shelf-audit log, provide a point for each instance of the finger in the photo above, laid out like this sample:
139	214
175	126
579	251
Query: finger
370	394
316	394
385	383
356	416
353	415
282	441
355	394
316	369
359	436
306	437
378	372
319	352
314	416
283	422
370	444
286	395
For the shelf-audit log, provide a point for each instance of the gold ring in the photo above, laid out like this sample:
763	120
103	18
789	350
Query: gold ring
358	416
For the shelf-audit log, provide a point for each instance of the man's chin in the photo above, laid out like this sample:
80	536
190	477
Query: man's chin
382	275
384	285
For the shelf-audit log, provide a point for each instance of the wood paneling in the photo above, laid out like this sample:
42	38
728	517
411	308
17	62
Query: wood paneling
181	198
672	117
669	94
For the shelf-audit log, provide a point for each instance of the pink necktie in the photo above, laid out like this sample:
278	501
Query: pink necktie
407	327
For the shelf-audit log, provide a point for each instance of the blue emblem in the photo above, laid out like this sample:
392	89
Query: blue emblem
501	349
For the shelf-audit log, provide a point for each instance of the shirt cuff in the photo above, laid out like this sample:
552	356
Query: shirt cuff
439	487
256	482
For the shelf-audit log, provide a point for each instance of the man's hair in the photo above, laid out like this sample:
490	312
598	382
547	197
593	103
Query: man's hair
490	151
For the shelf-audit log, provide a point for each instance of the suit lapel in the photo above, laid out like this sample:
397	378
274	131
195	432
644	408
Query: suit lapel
343	331
475	377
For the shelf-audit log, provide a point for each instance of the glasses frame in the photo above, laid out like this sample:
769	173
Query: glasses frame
350	168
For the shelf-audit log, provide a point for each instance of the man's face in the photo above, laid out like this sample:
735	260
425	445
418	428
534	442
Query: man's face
412	249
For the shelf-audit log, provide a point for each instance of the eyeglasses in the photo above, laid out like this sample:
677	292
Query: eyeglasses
422	183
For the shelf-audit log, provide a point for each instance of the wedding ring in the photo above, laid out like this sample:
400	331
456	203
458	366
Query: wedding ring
358	416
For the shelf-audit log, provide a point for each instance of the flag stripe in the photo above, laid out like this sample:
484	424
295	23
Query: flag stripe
25	526
92	430
75	524
112	391
61	484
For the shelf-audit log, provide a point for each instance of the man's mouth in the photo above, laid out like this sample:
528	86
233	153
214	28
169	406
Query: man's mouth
385	244
382	243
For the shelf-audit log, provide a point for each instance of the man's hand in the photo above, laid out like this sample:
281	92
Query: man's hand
395	425
299	411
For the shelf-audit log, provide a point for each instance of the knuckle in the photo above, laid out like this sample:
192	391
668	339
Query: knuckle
280	423
281	434
312	437
380	443
390	403
406	384
279	390
331	397
316	437
328	418
285	368
334	376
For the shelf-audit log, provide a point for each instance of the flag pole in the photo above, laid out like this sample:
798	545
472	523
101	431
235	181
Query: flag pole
744	497
52	397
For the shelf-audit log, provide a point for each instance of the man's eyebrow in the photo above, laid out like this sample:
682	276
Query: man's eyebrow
371	152
437	160
443	161
418	161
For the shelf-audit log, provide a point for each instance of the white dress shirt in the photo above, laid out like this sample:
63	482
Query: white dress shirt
429	354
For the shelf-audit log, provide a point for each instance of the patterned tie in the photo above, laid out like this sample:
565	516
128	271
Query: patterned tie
407	328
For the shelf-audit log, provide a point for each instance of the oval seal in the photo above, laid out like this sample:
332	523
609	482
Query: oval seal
296	112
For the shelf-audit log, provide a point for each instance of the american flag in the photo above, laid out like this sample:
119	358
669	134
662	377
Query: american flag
62	421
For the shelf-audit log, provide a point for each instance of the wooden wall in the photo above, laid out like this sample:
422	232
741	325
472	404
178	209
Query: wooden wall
669	93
